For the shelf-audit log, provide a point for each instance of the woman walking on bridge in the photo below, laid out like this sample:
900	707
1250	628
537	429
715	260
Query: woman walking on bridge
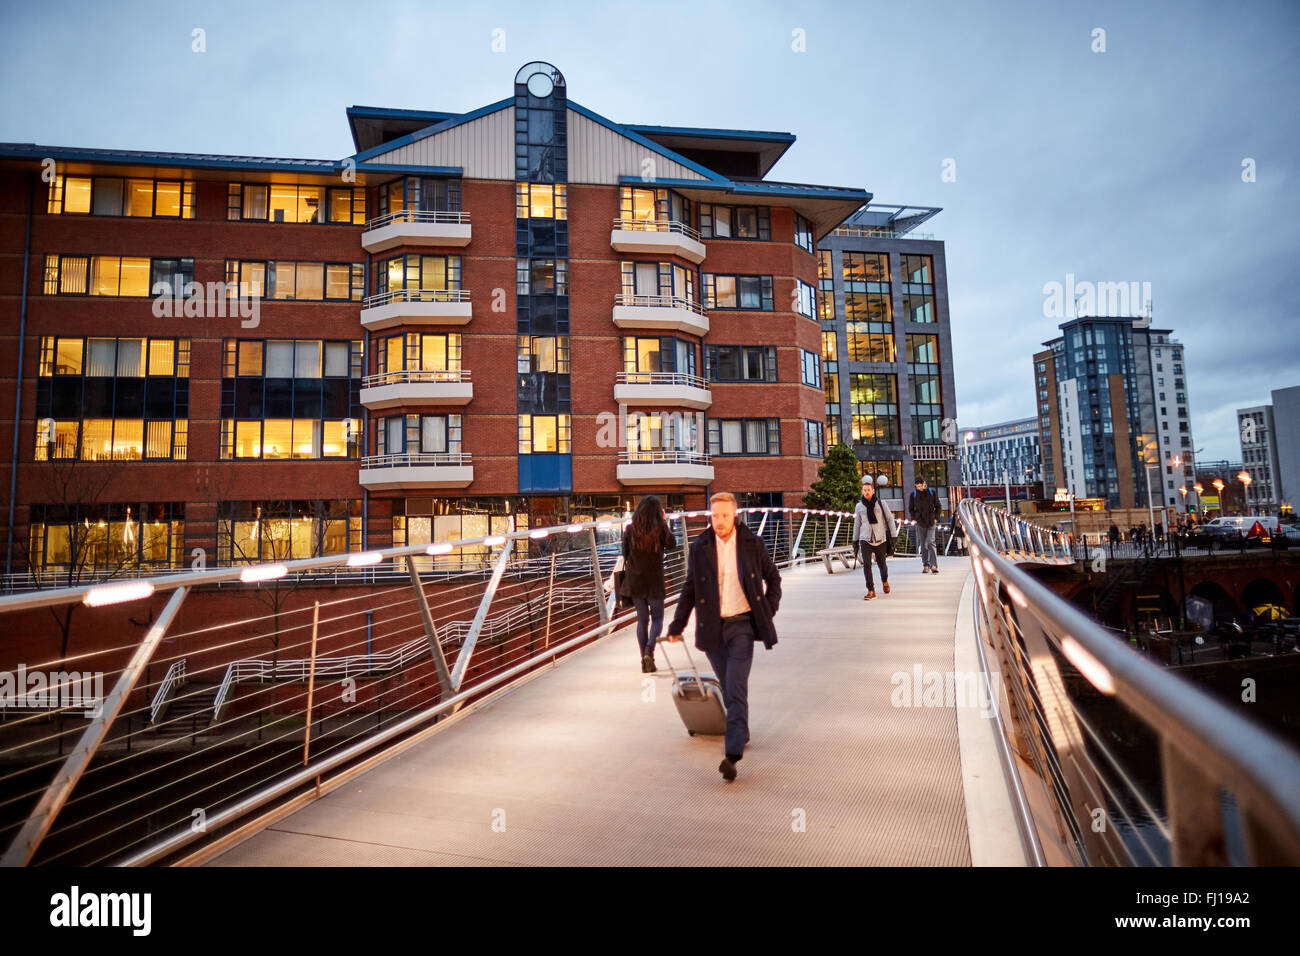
645	542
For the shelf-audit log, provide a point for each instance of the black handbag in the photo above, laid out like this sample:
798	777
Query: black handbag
621	601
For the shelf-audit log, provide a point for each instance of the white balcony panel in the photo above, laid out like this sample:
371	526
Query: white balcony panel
416	307
660	313
657	238
416	388
664	473
664	468
416	472
662	390
414	228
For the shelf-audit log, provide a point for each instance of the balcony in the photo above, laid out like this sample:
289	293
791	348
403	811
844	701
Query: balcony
416	471
413	227
662	313
670	238
657	467
413	387
662	390
416	307
932	452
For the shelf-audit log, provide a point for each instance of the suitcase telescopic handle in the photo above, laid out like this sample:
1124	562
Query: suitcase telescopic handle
669	661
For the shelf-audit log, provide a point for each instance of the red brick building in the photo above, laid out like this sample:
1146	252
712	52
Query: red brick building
519	315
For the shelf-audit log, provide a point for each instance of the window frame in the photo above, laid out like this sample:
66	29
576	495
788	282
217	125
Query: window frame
177	372
56	196
772	432
709	299
713	358
762	215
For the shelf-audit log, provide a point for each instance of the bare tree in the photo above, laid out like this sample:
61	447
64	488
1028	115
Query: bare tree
274	594
75	489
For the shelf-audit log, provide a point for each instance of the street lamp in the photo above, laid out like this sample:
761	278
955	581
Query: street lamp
1245	479
1151	511
1198	488
1218	486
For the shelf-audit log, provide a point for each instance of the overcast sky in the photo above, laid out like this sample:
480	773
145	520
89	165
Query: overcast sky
1123	165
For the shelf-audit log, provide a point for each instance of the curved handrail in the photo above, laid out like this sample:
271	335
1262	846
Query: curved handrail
1205	746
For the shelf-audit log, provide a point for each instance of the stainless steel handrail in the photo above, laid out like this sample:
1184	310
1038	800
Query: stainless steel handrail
1205	745
775	525
174	677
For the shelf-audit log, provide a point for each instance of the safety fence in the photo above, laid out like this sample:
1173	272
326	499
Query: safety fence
1112	759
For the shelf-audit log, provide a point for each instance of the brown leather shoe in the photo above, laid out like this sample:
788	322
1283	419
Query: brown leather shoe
886	587
869	595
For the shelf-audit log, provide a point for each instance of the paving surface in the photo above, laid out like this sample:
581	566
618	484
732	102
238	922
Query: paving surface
586	765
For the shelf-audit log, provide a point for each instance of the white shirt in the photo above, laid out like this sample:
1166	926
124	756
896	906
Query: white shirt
731	596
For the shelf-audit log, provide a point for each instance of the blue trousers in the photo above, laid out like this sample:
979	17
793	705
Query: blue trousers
731	666
649	611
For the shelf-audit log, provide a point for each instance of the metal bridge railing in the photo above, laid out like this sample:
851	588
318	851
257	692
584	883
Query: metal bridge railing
1112	759
225	697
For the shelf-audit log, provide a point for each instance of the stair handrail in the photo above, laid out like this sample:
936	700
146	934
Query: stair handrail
174	677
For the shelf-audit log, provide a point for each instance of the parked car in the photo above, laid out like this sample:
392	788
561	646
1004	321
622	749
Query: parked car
1215	534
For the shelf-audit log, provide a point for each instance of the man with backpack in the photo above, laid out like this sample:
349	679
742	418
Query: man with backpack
923	508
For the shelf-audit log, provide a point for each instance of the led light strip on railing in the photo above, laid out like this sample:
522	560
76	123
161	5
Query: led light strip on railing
119	592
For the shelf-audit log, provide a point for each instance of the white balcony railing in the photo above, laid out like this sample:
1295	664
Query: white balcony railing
658	302
416	295
879	232
452	458
418	215
411	376
932	452
661	378
657	225
662	456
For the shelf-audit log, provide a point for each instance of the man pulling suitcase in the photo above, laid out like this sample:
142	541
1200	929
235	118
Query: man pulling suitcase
734	589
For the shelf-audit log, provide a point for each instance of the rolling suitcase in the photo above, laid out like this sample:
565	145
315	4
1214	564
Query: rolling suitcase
698	698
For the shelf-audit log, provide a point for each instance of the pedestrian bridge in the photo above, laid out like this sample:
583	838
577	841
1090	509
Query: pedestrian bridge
588	762
481	702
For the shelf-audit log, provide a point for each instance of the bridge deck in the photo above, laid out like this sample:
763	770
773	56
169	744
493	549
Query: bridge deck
587	772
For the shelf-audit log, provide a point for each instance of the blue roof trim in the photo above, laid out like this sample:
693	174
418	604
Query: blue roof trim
195	160
648	144
436	128
384	112
724	185
801	191
411	170
788	190
756	135
202	161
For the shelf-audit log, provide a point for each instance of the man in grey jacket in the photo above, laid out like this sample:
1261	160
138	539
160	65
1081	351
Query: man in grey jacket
874	531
